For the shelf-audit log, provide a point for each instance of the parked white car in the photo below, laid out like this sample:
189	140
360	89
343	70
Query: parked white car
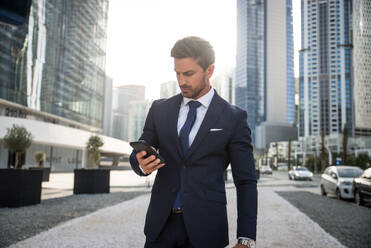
300	173
338	180
265	169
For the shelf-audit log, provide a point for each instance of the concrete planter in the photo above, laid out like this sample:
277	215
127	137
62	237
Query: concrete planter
91	181
45	171
20	187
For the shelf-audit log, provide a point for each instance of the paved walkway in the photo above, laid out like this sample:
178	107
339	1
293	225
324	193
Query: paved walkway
61	184
279	225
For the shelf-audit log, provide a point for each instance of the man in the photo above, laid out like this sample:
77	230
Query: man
198	134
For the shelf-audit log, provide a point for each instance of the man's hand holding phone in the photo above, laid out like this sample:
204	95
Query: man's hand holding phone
149	164
149	160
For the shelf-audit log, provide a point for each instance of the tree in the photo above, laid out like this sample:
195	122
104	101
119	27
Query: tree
266	154
289	155
345	144
323	152
92	146
362	159
40	157
18	140
276	164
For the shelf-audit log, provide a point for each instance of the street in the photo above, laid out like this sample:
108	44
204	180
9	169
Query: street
343	219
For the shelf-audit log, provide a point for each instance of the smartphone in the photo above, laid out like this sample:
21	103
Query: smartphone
141	145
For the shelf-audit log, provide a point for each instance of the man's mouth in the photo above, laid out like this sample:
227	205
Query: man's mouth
185	88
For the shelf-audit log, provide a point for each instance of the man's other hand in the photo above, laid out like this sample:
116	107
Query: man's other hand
149	164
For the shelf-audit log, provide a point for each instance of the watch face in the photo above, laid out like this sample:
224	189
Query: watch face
248	242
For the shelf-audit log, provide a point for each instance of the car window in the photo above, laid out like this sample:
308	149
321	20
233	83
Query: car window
301	169
328	171
349	172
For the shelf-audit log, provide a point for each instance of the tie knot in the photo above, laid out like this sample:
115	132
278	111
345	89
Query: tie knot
194	104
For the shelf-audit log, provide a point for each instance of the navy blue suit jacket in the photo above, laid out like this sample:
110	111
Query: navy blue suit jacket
200	174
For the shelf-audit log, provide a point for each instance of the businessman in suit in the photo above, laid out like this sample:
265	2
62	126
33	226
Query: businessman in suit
198	134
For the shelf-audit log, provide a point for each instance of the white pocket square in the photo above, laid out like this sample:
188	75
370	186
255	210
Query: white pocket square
215	129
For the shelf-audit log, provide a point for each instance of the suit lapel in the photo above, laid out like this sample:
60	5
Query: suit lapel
173	122
212	115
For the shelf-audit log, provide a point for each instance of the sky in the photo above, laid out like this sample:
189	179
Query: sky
141	34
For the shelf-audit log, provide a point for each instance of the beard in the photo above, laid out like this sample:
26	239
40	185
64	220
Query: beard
195	93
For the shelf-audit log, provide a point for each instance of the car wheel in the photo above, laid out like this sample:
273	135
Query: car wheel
323	192
338	194
290	177
357	198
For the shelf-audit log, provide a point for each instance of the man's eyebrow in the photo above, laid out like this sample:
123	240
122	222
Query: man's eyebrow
189	71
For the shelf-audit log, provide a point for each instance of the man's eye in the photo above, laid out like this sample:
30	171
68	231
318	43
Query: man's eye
188	74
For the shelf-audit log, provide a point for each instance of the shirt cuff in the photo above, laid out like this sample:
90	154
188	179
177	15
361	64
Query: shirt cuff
143	171
244	238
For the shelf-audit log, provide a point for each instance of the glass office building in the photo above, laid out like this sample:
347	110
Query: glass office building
52	81
56	63
250	87
325	80
290	79
264	77
123	96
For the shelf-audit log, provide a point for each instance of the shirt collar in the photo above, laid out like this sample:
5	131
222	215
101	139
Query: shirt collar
205	100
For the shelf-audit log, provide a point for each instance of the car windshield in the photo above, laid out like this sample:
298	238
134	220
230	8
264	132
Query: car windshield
349	172
301	169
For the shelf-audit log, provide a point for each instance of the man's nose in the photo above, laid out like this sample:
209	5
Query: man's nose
181	80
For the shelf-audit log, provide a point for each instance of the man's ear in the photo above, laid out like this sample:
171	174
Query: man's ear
210	70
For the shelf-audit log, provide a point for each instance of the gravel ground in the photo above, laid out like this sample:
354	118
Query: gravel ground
17	224
345	221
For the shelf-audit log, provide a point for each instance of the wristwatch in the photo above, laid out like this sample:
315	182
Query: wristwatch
246	241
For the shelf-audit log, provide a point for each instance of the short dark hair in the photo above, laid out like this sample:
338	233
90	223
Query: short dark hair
196	48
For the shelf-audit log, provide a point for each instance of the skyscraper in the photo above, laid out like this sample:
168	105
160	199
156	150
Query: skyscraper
169	89
250	86
362	66
56	63
222	83
52	80
138	110
107	114
264	79
122	97
325	82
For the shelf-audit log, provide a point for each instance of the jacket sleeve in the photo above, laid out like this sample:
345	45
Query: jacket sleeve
244	176
149	135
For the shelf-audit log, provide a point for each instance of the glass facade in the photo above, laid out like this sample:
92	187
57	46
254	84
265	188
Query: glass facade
250	86
301	76
169	89
325	82
56	62
362	66
257	75
122	97
290	81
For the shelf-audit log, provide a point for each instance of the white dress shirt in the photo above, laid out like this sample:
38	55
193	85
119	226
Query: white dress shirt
205	101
